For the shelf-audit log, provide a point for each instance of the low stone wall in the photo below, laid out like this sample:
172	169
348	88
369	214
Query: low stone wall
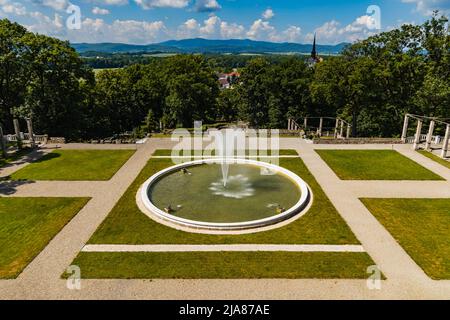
359	141
56	140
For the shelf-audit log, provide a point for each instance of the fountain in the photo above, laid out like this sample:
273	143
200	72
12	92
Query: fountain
224	193
201	201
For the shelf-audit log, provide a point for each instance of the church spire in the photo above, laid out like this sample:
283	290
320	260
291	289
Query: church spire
314	51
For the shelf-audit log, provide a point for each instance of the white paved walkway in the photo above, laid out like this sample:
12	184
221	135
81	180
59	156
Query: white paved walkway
221	248
41	279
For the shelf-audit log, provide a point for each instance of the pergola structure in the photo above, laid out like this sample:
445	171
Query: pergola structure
18	137
418	137
338	128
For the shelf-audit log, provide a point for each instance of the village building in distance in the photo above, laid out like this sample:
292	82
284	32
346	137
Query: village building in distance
227	80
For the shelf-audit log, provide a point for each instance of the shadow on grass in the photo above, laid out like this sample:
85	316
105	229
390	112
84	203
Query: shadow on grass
47	157
26	155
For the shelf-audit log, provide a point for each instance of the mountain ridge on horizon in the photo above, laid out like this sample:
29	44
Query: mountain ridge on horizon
201	45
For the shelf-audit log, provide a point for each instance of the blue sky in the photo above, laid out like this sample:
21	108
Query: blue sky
150	21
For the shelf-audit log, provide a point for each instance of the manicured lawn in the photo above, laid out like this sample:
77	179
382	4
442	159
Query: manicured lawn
422	227
126	224
434	157
27	225
374	165
223	265
75	165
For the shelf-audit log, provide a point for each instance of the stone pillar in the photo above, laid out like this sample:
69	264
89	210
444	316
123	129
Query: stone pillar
348	131
17	131
342	129
289	124
445	146
306	123
31	133
3	144
430	136
319	133
336	129
418	133
405	128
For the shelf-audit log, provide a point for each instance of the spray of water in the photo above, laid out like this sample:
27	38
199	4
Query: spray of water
225	143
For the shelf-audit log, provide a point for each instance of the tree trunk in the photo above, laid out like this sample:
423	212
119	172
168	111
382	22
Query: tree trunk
354	123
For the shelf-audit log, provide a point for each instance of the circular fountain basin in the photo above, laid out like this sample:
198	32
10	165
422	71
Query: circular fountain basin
194	195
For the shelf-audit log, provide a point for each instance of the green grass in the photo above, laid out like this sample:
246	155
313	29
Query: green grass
27	225
422	227
75	165
126	224
374	165
433	157
223	265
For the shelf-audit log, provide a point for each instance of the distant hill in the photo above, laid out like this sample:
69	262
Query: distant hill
199	45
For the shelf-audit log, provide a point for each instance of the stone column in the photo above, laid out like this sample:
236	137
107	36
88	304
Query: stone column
17	131
306	124
430	136
405	128
336	129
342	129
3	144
348	131
289	124
418	133
319	133
31	133
445	146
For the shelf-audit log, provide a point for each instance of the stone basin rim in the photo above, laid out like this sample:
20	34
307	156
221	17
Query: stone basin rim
297	209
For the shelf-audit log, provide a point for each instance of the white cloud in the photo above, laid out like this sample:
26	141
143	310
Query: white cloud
207	5
188	29
149	4
426	7
12	8
110	2
333	32
97	30
292	34
100	11
58	5
192	24
46	25
210	26
268	14
231	30
261	30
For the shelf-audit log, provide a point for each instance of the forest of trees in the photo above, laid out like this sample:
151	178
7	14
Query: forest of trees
372	84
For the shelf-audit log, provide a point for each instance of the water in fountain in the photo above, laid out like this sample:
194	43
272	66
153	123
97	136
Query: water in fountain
225	142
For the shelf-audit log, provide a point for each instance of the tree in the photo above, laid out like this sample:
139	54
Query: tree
227	105
273	92
43	75
13	69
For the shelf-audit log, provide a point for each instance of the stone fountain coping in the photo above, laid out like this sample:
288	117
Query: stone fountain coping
297	210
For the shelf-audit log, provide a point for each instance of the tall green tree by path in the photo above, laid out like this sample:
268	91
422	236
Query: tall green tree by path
44	77
13	70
